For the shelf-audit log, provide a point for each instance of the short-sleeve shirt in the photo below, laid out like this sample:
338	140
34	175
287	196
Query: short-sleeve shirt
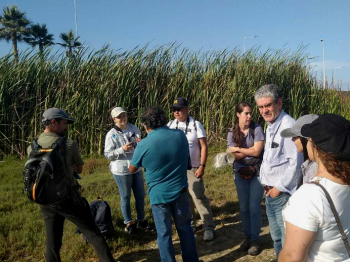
195	130
164	156
247	142
73	156
308	208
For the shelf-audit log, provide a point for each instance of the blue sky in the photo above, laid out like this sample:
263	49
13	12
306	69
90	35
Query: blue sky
204	25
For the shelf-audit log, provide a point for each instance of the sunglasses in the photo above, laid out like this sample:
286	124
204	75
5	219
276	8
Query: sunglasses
176	109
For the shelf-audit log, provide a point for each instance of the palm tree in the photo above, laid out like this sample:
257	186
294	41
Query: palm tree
39	36
69	41
14	27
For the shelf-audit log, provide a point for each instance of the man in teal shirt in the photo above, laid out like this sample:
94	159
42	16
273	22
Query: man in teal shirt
164	156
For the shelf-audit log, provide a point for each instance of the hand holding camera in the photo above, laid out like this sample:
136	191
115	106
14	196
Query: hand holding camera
128	146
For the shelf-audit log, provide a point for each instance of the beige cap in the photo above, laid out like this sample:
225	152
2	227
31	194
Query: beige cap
117	111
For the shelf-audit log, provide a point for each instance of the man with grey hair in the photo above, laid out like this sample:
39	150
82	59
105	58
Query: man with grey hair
280	172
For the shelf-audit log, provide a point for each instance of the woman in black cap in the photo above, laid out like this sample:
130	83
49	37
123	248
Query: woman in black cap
312	230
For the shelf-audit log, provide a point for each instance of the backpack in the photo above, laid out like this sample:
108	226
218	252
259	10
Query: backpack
45	175
101	213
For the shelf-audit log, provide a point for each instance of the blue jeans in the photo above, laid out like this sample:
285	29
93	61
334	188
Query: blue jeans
125	184
274	208
250	193
180	212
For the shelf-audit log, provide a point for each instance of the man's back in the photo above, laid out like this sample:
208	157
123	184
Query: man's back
164	155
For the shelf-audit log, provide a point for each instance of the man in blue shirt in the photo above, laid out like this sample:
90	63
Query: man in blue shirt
280	171
164	156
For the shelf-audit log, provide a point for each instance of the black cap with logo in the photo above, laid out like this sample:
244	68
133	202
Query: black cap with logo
179	102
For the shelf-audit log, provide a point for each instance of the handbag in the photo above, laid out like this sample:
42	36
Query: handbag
247	172
335	213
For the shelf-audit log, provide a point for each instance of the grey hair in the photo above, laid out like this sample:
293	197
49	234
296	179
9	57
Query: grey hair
271	90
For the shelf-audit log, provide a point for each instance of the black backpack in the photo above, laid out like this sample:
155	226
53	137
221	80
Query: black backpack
101	213
45	175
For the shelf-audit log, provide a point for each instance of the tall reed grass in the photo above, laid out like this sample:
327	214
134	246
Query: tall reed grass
89	85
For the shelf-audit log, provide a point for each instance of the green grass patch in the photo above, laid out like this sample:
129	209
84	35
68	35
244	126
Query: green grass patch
22	232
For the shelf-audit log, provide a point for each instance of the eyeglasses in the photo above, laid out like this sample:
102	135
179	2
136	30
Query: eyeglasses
265	106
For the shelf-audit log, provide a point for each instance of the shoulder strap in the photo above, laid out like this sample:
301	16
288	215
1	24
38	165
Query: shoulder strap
252	130
170	123
335	213
117	128
195	125
35	145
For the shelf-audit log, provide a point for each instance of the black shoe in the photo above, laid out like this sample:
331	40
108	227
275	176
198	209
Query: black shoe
145	226
246	244
254	248
131	229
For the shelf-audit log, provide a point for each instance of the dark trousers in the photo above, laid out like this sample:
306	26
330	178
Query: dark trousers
77	211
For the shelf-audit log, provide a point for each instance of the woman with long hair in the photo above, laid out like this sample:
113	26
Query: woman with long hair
312	230
309	167
246	142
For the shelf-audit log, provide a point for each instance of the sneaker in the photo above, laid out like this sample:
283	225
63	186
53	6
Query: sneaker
208	235
131	229
145	226
246	244
254	248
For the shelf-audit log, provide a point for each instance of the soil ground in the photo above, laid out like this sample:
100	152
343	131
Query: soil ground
225	246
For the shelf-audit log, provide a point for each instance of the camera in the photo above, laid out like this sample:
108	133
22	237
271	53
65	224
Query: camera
132	139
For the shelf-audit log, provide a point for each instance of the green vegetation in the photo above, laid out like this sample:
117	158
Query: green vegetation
14	27
70	42
39	36
17	28
92	83
22	232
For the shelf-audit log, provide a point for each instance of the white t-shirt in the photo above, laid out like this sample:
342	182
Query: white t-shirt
309	209
192	137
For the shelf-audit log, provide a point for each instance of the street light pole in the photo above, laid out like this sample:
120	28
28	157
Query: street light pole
247	37
76	20
324	67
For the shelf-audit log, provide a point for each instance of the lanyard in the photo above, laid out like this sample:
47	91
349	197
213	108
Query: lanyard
187	123
273	137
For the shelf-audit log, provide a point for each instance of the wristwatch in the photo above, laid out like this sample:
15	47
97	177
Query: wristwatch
203	165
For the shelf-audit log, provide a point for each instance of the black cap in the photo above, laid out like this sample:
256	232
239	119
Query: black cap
56	113
330	133
179	102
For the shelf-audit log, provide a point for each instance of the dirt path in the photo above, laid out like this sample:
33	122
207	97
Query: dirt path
225	246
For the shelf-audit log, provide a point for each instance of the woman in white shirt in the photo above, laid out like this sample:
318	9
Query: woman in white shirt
312	233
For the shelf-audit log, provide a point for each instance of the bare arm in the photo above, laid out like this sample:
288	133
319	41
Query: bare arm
204	155
132	169
78	169
297	244
254	151
238	156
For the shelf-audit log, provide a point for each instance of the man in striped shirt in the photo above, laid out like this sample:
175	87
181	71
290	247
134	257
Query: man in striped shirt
280	171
